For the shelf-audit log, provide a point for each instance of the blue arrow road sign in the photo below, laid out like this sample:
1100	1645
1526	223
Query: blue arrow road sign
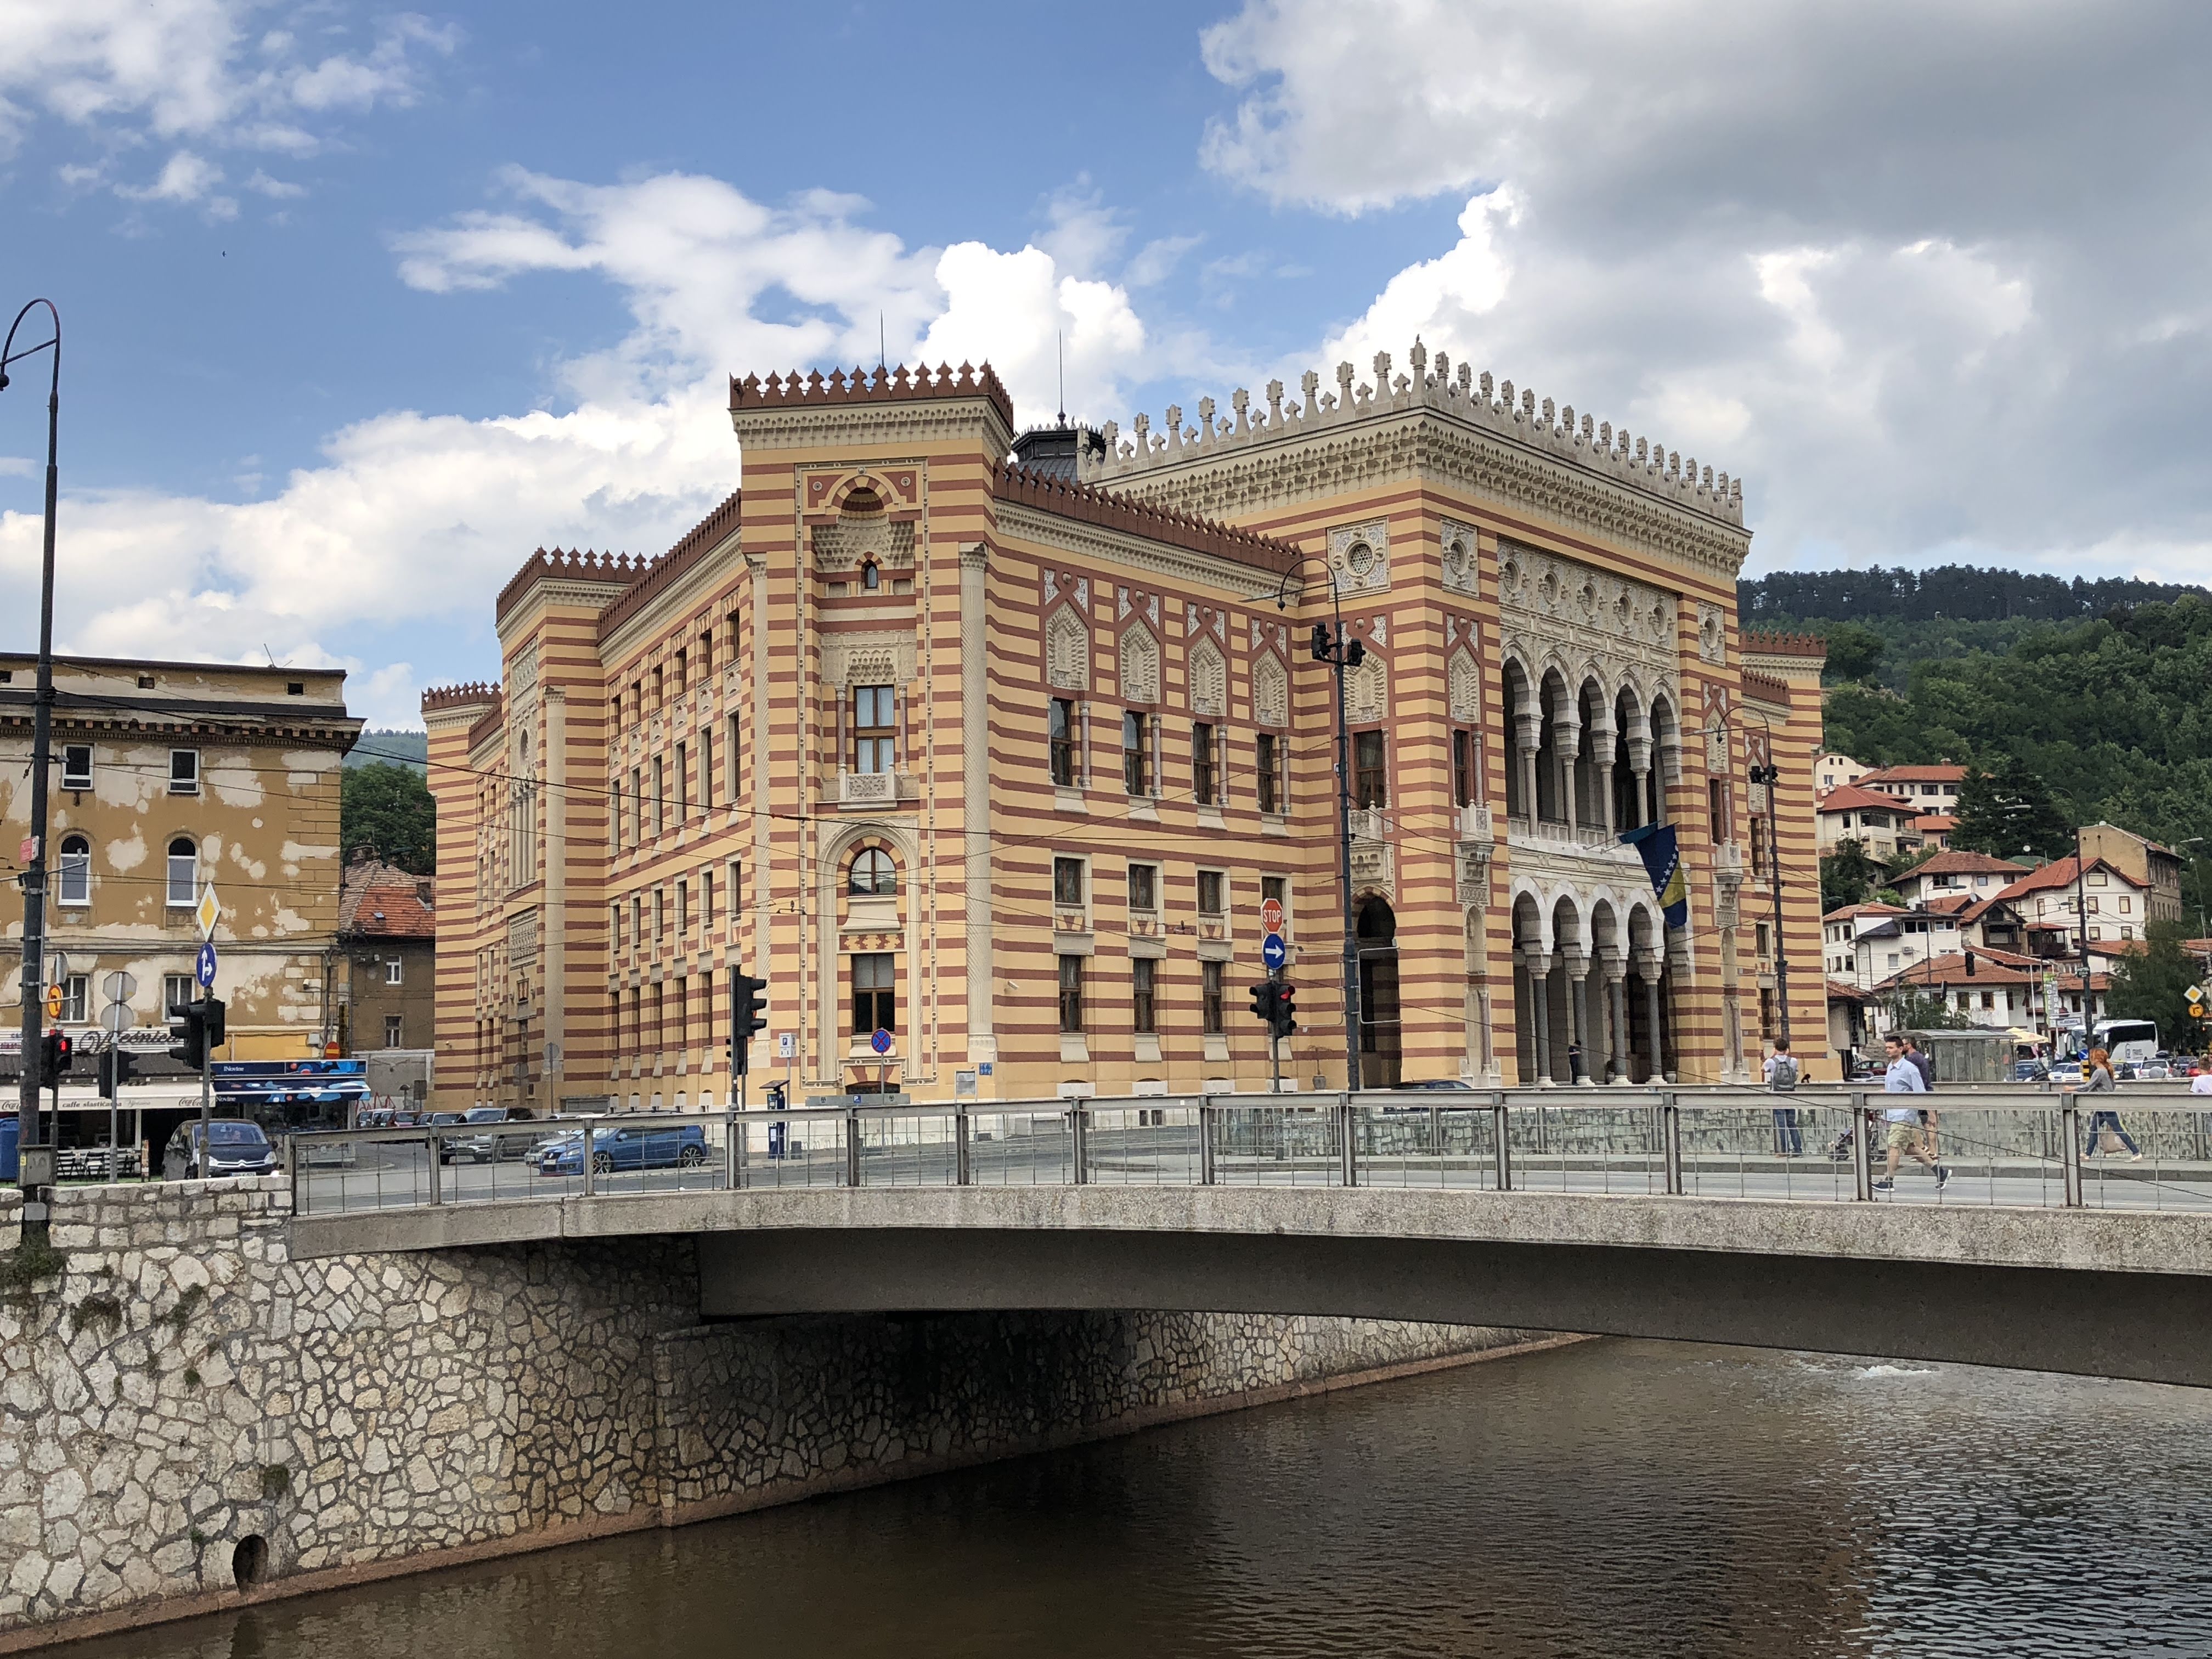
203	970
1274	952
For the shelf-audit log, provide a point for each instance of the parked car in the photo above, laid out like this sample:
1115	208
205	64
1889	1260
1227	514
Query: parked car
2029	1070
632	1146
489	1147
2153	1071
234	1147
543	1152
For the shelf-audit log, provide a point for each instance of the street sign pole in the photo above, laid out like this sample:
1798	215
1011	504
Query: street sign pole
208	912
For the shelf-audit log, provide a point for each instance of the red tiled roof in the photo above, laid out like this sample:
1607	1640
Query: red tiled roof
380	900
1991	968
1935	823
1848	992
2059	872
1850	910
1850	797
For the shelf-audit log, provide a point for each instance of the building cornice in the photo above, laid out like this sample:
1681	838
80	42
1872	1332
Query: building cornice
1427	444
1077	539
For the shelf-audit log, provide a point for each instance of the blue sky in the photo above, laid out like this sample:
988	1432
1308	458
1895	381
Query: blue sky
362	305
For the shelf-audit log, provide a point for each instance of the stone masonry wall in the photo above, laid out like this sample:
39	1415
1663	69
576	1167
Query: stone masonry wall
180	1389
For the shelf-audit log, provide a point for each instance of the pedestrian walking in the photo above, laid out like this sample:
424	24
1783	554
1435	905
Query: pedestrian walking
1781	1074
1902	1078
2100	1080
1926	1066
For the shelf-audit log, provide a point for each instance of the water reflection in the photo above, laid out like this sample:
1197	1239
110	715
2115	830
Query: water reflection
1611	1498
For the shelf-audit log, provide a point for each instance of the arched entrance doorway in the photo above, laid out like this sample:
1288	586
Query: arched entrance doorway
1380	1043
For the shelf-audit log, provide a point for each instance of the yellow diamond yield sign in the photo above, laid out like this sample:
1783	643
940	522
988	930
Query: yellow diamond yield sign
208	912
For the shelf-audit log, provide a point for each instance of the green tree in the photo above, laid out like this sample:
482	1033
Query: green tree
1912	1008
2153	983
1855	652
390	809
2011	811
1847	875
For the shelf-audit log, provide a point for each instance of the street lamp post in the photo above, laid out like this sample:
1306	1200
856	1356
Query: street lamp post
42	711
1770	775
1341	653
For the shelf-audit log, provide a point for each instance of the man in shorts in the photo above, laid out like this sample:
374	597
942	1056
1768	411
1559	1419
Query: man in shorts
1902	1078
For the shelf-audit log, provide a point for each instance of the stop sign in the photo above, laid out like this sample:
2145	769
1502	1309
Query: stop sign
1271	916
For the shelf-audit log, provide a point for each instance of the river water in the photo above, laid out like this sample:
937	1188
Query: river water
1615	1499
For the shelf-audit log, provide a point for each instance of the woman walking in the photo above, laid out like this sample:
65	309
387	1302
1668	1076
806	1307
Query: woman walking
2100	1080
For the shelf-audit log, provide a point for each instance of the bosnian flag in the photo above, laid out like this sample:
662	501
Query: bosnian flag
1662	861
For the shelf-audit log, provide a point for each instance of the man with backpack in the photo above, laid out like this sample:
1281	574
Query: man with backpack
1781	1073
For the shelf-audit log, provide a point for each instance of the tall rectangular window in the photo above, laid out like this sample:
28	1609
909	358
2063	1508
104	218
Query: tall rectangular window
1062	734
1268	772
1144	887
1209	980
1201	764
1070	994
616	806
636	806
636	922
660	690
177	990
729	760
1143	975
1716	805
1371	775
77	992
1463	769
682	907
183	771
76	870
875	729
706	765
395	1026
683	679
1136	758
1759	849
706	901
1067	882
614	925
734	892
1276	888
706	656
76	766
875	995
1210	883
683	784
659	795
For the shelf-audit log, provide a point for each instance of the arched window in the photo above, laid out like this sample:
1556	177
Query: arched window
76	870
184	872
872	576
872	874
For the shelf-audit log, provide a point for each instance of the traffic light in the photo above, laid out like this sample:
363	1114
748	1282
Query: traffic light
211	1016
1354	654
116	1066
1263	1003
188	1036
56	1050
1287	1011
1321	642
748	1019
1970	964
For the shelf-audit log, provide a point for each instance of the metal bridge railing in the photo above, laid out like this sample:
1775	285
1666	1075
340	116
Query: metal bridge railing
2009	1146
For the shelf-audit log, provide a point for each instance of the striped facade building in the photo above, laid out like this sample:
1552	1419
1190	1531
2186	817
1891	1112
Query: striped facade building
1001	757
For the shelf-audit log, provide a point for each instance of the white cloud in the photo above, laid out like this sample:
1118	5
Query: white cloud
1926	276
412	517
126	74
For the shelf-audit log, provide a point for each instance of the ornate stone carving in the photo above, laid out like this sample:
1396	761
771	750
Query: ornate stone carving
878	657
851	542
1550	604
1466	685
1209	680
1367	691
1712	634
1068	650
1139	672
1271	691
1359	554
1460	572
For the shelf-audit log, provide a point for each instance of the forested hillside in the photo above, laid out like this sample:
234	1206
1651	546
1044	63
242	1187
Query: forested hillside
2112	710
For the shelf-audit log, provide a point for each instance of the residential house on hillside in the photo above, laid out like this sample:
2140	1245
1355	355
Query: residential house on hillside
2113	905
1833	772
2000	989
386	958
1934	829
2154	868
1880	823
1931	788
1951	875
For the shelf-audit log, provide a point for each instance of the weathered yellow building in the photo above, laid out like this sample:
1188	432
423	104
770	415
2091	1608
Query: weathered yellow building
167	777
1004	758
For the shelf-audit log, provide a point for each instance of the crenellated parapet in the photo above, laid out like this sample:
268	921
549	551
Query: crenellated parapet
884	385
1434	387
1055	494
1757	642
467	694
615	571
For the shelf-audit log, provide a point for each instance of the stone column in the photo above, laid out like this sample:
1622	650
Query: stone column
1566	740
1540	1013
1578	1026
975	800
1601	745
1524	756
1616	986
1639	769
1647	969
